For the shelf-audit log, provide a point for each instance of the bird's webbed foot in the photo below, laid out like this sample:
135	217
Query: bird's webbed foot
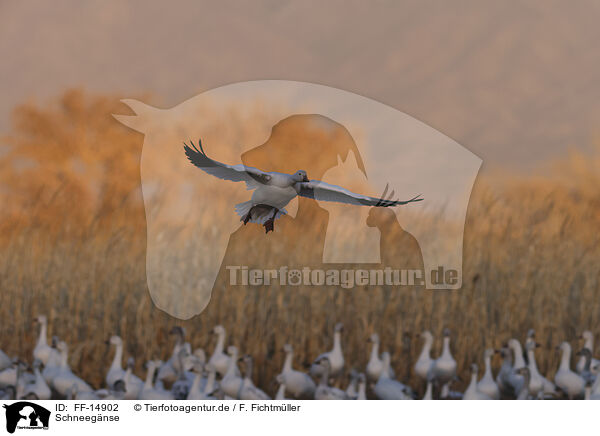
269	225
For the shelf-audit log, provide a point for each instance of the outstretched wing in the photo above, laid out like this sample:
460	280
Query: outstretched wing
325	192
234	173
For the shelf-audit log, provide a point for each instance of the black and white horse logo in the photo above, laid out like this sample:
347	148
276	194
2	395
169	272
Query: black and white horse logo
26	415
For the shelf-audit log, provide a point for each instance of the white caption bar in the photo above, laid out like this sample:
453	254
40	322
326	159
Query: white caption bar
303	417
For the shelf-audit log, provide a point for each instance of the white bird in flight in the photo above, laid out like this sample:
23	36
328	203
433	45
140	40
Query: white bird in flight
273	190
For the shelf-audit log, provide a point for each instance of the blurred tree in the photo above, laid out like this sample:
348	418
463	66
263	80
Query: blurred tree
69	165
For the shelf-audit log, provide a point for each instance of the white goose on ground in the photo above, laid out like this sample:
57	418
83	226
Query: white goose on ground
219	359
249	391
64	380
149	391
8	393
515	380
335	356
387	388
115	372
73	393
168	371
24	378
8	376
548	387
505	370
425	362
297	383
362	387
280	395
232	382
472	392
196	391
211	386
42	350
524	393
588	338
5	361
375	364
536	381
443	369
52	367
132	384
595	391
352	388
586	373
487	385
117	392
324	391
571	383
428	391
39	387
181	386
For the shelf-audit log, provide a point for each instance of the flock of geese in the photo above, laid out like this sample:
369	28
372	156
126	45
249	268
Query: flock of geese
191	375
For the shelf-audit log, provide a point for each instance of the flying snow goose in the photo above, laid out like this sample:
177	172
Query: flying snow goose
42	350
444	367
375	364
588	338
387	388
324	391
335	356
248	391
571	383
297	383
425	362
273	190
487	385
472	392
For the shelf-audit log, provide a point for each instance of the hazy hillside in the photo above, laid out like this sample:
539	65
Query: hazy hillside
512	81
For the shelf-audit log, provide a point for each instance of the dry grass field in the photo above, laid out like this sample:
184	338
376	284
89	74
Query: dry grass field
72	246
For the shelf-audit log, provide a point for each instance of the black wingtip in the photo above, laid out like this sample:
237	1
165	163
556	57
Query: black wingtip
189	151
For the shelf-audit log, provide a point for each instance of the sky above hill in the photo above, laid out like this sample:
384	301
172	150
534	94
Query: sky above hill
515	82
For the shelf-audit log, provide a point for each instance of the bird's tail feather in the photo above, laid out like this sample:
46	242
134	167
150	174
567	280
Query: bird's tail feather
260	213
